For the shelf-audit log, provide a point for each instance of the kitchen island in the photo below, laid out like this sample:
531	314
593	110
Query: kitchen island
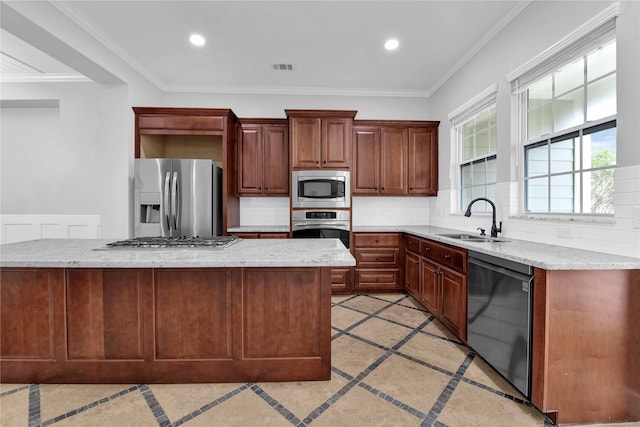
73	311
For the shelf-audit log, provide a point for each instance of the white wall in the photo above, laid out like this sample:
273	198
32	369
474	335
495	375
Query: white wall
536	28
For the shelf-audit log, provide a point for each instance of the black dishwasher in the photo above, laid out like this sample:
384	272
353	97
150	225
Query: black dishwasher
499	322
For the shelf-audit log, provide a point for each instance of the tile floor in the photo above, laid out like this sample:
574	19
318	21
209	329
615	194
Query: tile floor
393	365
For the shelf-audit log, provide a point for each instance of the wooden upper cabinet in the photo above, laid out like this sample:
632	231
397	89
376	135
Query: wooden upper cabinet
320	139
393	161
263	159
395	158
366	160
423	160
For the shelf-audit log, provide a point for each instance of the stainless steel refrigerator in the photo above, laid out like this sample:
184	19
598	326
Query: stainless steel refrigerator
177	197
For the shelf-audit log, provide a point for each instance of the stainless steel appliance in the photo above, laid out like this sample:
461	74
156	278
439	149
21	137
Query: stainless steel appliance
321	189
213	242
319	224
499	323
177	197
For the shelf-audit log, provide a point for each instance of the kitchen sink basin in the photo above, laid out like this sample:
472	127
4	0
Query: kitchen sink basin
473	238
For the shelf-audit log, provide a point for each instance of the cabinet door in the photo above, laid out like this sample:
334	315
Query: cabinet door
412	274
341	280
393	161
366	154
336	143
305	142
250	160
454	302
430	293
276	160
423	161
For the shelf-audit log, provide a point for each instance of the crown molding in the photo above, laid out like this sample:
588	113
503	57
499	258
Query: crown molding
43	78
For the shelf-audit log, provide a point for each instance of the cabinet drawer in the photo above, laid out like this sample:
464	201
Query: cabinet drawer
377	257
445	255
376	240
180	122
377	279
412	244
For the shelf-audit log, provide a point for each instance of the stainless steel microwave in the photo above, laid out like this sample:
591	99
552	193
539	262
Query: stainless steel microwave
321	189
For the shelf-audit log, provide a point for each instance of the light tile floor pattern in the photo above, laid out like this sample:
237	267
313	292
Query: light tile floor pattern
393	365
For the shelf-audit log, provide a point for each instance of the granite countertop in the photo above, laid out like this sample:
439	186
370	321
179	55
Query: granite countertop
259	229
549	257
77	253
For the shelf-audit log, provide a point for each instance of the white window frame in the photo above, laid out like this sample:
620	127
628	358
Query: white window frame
595	32
457	118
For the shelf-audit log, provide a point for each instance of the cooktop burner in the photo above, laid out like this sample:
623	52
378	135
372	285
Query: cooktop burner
215	242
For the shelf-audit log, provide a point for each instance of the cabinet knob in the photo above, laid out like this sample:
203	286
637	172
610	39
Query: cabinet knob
447	256
410	188
317	161
377	258
427	249
324	161
377	279
382	188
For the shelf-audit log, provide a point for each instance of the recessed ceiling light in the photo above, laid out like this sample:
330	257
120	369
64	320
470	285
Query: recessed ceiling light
196	40
391	44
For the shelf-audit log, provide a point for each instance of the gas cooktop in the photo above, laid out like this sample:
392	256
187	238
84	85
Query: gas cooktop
215	242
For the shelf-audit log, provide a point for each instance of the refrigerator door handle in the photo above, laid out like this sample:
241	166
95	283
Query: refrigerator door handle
166	223
175	202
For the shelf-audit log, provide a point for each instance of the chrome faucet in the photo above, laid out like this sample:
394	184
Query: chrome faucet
494	230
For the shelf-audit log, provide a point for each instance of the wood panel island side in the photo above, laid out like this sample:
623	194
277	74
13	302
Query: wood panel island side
256	311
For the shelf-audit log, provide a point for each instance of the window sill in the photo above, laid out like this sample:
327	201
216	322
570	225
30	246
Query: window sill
574	219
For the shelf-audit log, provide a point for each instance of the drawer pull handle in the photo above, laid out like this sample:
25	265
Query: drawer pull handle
377	258
377	279
447	256
427	249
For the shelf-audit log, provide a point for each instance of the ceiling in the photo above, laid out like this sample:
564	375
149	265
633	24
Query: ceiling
334	47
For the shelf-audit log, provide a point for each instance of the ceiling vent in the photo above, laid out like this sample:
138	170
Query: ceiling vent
283	67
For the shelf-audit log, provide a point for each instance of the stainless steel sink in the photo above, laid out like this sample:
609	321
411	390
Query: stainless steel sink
473	238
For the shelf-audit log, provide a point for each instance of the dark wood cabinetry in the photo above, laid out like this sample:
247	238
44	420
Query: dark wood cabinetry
263	158
268	235
320	139
395	158
93	325
379	261
435	275
193	133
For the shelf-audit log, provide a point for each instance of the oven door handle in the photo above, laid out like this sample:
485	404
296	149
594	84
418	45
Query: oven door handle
310	225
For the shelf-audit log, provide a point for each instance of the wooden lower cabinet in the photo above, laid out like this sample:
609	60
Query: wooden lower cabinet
165	325
379	262
341	280
586	342
435	275
261	235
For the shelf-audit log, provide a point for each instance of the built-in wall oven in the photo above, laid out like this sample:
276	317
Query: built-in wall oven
321	224
320	189
499	323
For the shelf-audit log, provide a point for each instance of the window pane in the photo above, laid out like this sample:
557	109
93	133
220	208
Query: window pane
479	173
569	77
478	192
540	121
601	98
599	149
491	194
601	62
562	193
540	92
482	143
570	110
599	192
537	190
493	138
466	198
466	176
492	174
536	160
482	121
467	148
562	156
